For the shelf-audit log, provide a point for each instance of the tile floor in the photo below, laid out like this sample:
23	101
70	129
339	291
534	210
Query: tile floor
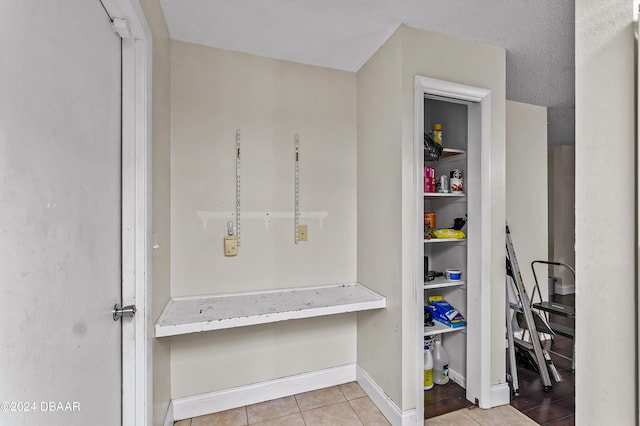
505	415
347	405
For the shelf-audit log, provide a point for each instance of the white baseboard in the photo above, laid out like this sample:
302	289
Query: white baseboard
169	419
212	402
500	394
384	403
458	378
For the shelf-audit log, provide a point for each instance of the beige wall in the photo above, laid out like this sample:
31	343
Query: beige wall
213	93
606	370
217	360
526	196
379	214
161	200
476	65
386	195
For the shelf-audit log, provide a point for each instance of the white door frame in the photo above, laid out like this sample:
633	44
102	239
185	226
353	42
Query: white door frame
478	313
137	390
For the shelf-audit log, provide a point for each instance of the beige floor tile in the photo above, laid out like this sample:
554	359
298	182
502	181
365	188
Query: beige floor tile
505	415
268	410
352	390
368	412
458	418
235	417
319	398
291	420
332	415
185	422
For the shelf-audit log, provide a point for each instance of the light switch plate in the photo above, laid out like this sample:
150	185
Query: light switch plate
230	246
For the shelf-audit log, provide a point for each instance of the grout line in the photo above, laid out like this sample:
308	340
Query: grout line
329	404
561	418
342	392
298	405
276	418
295	397
538	420
351	408
356	413
475	421
555	401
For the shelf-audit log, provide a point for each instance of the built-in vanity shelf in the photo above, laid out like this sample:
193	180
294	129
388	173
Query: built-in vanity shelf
183	315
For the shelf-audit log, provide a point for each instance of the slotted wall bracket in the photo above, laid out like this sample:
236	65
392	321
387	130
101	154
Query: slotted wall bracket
296	190
238	187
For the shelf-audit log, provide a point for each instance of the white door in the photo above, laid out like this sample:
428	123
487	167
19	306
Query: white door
60	214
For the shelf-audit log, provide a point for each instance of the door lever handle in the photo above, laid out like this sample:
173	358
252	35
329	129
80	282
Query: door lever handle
123	311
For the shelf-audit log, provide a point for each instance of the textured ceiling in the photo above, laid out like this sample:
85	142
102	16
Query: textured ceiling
538	36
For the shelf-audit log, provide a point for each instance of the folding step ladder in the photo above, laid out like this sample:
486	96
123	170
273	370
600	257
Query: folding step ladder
531	322
556	309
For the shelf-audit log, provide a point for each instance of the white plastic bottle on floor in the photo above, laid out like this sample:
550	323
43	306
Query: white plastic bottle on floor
440	365
428	369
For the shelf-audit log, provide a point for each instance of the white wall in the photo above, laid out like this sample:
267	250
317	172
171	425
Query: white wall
161	199
213	93
526	196
606	368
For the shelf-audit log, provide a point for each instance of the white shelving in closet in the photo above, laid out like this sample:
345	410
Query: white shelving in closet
444	253
465	115
441	254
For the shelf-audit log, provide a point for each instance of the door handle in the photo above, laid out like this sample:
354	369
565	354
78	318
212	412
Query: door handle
123	311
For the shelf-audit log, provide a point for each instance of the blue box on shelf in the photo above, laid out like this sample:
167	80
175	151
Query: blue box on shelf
444	313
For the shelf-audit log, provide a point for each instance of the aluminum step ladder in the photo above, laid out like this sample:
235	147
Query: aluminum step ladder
531	322
555	308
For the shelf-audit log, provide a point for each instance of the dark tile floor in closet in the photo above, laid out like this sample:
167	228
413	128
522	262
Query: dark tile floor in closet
555	408
443	399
